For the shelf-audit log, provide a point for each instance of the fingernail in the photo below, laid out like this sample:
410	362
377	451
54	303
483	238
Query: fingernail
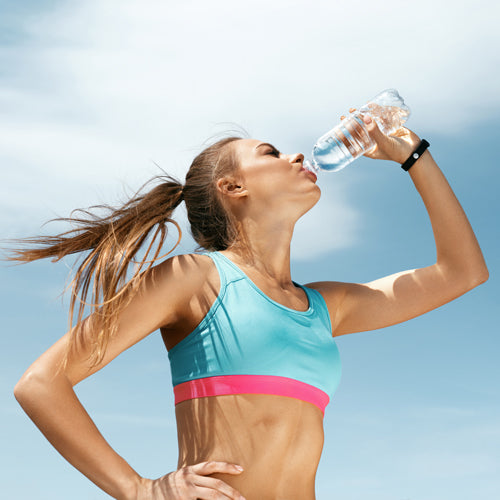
239	467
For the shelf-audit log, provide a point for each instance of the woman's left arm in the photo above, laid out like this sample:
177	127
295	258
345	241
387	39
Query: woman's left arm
458	253
459	267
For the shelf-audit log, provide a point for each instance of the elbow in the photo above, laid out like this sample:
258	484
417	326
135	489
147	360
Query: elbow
464	278
479	278
485	275
23	387
28	385
37	382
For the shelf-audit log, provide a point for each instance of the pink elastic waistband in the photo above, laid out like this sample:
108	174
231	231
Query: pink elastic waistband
251	384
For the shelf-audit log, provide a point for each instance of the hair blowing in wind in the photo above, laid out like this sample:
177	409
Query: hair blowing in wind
112	242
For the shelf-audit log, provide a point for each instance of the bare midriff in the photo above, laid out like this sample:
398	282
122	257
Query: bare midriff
277	440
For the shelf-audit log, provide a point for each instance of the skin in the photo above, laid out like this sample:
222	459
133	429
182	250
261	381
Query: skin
277	440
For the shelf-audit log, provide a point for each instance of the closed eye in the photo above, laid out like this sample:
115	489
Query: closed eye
274	152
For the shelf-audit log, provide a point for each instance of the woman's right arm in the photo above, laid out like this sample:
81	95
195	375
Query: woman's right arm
48	397
55	409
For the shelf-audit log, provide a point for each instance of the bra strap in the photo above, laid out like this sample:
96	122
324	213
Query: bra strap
228	272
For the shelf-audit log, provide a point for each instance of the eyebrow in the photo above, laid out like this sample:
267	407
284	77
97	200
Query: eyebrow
267	144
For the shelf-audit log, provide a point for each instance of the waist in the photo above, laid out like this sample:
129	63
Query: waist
277	440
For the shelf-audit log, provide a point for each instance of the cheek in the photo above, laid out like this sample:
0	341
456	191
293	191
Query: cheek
265	180
282	183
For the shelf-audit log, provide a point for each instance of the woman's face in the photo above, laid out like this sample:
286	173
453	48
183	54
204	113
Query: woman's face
274	178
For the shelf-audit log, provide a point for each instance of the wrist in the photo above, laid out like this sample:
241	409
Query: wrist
419	150
143	489
135	489
406	151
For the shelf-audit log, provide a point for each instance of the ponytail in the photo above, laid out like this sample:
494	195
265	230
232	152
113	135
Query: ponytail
112	242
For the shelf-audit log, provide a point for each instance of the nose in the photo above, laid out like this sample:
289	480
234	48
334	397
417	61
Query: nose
297	158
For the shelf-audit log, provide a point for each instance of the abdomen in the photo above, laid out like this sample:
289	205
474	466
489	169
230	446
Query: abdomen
277	440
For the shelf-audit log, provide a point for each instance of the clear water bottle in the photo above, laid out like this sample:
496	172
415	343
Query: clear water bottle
350	139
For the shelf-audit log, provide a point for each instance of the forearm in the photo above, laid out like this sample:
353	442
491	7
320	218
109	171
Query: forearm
457	248
57	412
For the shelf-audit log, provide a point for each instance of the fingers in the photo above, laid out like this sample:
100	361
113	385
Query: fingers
351	110
204	468
192	482
205	486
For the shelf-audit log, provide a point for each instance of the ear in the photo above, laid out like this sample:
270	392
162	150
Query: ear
231	187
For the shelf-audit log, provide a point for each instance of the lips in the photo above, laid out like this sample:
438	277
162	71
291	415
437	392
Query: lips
311	174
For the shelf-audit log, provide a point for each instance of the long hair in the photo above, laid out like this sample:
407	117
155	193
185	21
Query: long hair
112	242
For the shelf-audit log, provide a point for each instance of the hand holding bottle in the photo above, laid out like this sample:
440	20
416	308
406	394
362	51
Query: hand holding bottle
382	136
395	147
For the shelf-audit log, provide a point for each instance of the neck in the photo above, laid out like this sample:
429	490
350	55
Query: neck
265	246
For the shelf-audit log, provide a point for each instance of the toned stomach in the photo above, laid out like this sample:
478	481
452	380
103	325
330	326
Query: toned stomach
277	440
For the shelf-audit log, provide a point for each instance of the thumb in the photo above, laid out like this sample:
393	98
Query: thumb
387	146
372	127
384	143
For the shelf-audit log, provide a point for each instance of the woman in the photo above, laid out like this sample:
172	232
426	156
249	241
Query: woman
252	353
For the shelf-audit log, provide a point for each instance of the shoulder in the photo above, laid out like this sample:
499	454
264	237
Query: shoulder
329	289
184	278
187	263
333	293
184	270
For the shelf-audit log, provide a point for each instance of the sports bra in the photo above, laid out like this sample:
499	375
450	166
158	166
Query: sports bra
248	343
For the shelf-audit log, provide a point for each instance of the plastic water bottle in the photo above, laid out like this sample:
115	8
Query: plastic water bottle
350	139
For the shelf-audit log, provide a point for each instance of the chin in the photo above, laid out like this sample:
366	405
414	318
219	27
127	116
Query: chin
313	198
317	193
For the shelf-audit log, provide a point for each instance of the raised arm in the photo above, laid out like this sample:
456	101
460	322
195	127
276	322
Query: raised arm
50	401
459	266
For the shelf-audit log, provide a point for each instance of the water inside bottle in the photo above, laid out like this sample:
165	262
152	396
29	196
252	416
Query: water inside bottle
343	144
350	139
388	118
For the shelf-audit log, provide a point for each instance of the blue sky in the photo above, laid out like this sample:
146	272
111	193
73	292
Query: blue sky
91	94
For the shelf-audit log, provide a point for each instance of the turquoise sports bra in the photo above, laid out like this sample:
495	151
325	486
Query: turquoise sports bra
249	344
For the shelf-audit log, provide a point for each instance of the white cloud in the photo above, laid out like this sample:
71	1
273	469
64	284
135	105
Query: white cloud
99	89
331	224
